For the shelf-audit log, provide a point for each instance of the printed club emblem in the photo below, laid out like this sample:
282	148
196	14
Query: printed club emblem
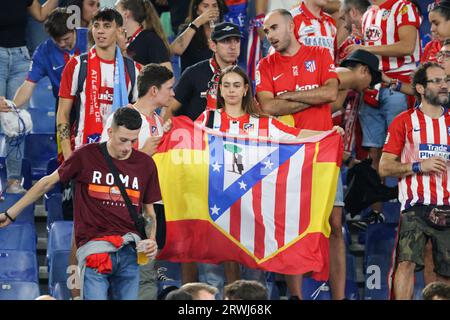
310	65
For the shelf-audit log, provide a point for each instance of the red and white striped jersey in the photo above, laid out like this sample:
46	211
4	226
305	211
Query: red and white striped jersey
249	125
313	31
380	25
151	127
413	136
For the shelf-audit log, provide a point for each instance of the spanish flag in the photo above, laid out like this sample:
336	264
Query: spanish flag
263	203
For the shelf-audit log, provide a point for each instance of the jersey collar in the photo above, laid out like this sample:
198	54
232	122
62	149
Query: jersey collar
309	13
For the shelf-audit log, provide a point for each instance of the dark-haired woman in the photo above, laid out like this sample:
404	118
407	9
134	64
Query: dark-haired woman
192	43
146	41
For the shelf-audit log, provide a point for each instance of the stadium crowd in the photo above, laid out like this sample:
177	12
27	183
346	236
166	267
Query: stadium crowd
278	69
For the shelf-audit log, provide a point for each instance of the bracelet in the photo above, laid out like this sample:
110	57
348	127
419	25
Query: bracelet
416	167
8	216
193	26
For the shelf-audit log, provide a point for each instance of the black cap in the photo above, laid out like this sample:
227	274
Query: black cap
366	58
225	30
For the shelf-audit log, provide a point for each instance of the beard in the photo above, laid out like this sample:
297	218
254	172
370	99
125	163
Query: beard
438	99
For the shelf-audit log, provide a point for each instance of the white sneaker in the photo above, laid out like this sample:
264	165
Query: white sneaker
15	187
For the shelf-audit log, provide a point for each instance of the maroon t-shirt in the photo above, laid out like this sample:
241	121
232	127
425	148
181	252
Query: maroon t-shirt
99	209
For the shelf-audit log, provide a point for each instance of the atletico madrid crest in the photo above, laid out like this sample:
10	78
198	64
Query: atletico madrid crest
310	65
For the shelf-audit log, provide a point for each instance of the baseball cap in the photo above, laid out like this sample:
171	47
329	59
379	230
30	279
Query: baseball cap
225	30
366	58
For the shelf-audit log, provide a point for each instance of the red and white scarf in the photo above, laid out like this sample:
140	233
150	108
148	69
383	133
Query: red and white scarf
93	122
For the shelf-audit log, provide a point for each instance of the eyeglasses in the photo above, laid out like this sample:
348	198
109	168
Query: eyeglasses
439	81
441	55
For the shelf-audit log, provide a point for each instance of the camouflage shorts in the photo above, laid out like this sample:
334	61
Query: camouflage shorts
414	234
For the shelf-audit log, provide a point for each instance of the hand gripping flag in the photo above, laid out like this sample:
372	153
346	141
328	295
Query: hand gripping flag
263	203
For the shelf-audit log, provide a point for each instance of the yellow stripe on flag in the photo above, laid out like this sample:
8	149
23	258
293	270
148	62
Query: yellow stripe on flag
188	172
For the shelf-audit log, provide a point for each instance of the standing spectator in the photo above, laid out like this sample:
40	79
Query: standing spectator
245	290
391	31
436	291
192	43
178	13
105	233
412	153
52	55
197	87
88	83
155	90
88	8
301	81
84	93
199	291
314	27
14	65
147	42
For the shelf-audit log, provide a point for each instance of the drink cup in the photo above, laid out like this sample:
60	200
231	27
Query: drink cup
142	259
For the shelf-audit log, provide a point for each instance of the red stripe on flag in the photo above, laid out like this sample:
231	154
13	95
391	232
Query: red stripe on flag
280	204
259	225
235	220
305	188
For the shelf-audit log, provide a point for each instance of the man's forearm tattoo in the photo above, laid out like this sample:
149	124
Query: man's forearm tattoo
63	131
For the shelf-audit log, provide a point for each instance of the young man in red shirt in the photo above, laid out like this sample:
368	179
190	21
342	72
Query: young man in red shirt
301	81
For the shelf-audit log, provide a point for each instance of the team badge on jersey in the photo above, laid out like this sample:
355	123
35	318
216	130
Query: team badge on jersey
257	78
310	65
248	127
385	14
448	130
154	128
373	33
403	10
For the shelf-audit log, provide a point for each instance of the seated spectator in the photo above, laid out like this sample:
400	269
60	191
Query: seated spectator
245	290
199	291
178	294
192	43
147	42
436	291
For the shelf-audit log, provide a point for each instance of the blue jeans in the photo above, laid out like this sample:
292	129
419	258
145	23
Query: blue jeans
121	284
375	121
14	66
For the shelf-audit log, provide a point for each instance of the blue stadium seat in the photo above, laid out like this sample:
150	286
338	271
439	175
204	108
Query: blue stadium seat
18	236
315	290
18	290
39	149
57	268
419	284
391	181
169	270
61	292
3	178
26	174
59	237
44	121
53	206
351	290
391	211
27	214
380	242
42	97
18	265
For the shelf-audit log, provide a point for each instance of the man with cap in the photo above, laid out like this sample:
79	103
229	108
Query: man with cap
197	88
358	72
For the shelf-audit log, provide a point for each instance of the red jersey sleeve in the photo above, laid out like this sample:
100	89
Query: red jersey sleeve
68	87
263	78
327	66
408	16
395	139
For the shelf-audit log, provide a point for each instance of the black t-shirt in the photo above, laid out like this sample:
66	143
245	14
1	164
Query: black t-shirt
13	22
178	12
191	90
147	48
196	51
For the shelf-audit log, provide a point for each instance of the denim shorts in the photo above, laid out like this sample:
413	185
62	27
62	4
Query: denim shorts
375	121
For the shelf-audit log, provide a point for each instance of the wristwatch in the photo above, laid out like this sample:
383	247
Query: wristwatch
193	26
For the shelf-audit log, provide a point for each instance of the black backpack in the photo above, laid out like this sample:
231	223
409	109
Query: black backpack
365	188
